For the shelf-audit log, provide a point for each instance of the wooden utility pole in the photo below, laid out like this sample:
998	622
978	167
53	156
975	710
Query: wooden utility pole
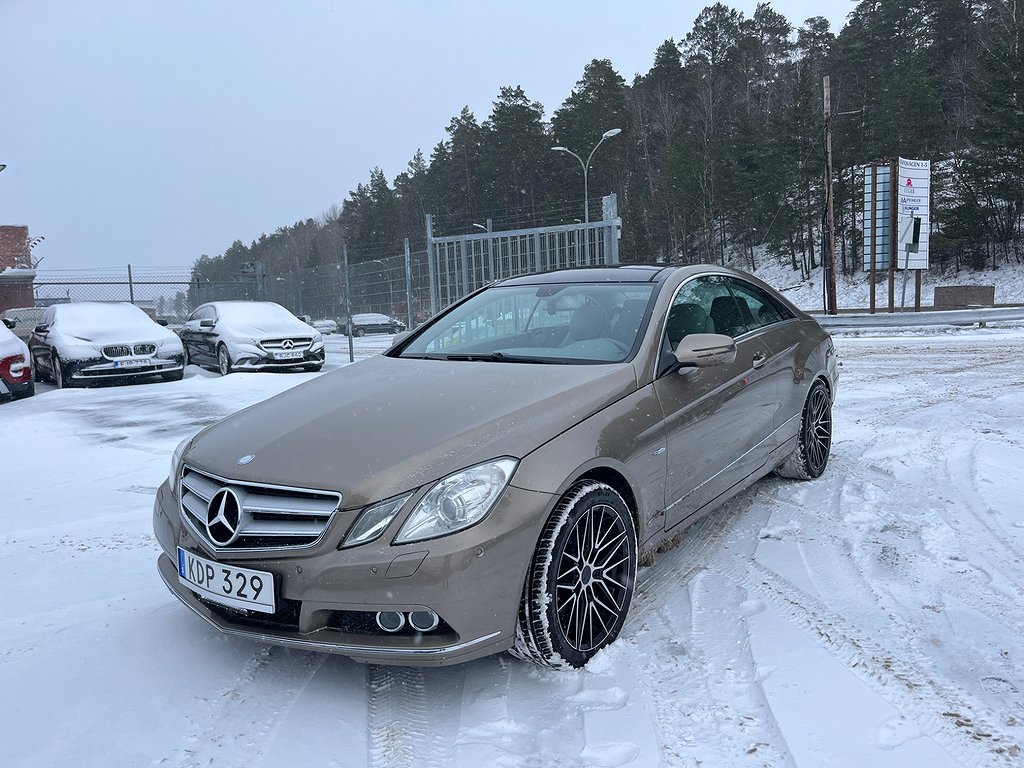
830	217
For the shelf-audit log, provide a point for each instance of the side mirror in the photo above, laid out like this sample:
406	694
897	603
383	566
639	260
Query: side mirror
206	323
704	350
10	322
400	337
44	329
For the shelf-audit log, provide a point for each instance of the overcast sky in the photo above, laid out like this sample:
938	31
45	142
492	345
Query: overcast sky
151	132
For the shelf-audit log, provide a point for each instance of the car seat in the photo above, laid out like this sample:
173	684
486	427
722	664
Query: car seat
729	317
684	319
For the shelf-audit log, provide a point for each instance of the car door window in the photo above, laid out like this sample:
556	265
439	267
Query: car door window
691	309
758	310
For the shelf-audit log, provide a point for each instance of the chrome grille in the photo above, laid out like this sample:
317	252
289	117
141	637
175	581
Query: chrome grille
272	517
144	349
117	350
298	344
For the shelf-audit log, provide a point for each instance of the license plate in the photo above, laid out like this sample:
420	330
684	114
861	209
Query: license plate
287	355
225	584
130	363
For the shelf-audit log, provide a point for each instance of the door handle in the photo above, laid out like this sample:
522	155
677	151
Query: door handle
760	359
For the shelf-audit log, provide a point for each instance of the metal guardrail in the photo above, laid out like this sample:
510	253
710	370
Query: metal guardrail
910	319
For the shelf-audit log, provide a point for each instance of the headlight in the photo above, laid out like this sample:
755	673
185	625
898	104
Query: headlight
374	521
457	501
172	478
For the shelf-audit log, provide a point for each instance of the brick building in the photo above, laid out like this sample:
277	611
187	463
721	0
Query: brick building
16	273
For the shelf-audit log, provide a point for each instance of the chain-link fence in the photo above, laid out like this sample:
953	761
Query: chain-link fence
407	287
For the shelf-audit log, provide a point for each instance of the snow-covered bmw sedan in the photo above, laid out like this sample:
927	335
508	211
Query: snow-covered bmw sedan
89	342
494	479
250	336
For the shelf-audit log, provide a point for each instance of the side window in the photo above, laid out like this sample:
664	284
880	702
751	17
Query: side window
196	315
757	308
692	308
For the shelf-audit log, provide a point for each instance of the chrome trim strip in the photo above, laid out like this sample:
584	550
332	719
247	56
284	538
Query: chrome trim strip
120	373
311	645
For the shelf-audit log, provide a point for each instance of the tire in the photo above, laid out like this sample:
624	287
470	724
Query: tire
57	369
359	332
810	457
223	360
592	524
185	359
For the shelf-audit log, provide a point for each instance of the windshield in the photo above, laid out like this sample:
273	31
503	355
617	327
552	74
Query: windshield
559	323
88	317
254	311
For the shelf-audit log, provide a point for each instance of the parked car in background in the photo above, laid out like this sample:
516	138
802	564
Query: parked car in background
325	326
250	336
25	319
373	322
15	365
87	342
492	481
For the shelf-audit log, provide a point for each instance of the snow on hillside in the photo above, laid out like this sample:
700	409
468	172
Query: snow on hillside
853	291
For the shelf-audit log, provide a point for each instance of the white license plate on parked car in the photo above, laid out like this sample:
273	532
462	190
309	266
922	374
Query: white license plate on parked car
130	363
287	355
225	584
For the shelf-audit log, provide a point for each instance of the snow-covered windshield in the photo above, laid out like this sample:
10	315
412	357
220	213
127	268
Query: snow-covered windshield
254	312
93	317
558	323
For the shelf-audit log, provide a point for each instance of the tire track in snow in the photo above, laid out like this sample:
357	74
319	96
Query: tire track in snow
235	727
935	705
408	725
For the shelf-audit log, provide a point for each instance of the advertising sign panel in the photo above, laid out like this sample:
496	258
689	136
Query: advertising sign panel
913	214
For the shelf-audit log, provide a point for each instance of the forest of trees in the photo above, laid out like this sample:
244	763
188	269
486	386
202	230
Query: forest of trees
721	149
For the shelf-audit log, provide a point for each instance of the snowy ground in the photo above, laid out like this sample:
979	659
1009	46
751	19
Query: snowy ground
871	618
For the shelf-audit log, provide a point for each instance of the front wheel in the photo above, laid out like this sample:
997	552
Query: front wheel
57	369
808	459
580	583
223	360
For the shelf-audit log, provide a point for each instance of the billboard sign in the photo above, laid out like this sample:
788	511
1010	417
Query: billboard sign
913	214
877	194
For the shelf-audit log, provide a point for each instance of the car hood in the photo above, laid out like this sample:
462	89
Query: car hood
267	329
387	425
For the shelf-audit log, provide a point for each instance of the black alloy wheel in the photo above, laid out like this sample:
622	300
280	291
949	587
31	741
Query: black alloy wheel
580	584
810	457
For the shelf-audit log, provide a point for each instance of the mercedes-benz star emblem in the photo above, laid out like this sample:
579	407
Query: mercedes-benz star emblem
287	344
223	516
245	459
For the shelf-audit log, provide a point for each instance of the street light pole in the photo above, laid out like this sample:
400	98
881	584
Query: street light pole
586	168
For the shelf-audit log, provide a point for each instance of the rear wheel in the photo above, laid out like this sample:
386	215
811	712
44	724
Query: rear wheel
223	360
580	583
359	332
809	458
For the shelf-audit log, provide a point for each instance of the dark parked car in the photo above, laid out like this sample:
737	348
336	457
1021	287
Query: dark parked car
492	481
373	322
88	342
250	336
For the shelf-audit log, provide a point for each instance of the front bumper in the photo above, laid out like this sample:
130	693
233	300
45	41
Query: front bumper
326	598
256	359
101	368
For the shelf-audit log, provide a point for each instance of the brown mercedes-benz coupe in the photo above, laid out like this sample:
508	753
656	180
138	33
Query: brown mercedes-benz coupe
491	481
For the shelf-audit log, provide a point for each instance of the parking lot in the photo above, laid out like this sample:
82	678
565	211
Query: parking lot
873	617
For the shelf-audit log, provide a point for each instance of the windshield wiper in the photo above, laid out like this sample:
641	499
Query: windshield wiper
501	357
